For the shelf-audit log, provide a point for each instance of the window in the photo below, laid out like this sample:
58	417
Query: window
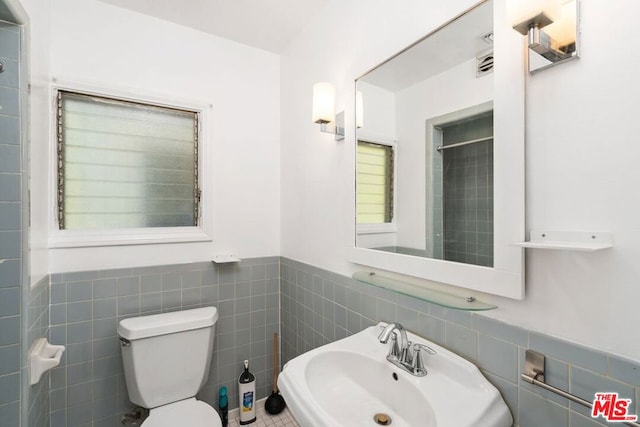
124	164
374	183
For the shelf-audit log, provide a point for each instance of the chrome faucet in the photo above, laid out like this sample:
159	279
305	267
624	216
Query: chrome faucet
405	355
401	350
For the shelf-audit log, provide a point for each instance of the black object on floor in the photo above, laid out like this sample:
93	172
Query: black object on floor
275	402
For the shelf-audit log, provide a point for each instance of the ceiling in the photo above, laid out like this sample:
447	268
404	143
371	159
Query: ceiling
265	24
459	41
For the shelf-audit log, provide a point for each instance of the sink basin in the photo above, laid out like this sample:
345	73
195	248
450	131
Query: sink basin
348	382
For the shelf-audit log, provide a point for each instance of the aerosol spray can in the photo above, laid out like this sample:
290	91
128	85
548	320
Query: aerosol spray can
247	389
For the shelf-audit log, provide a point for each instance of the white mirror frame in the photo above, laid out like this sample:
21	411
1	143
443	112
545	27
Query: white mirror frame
506	278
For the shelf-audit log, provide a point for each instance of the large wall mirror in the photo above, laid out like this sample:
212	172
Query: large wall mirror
440	156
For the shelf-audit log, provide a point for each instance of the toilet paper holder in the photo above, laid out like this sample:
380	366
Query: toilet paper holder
42	357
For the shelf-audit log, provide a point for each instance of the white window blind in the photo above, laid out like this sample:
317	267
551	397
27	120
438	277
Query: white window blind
374	183
124	164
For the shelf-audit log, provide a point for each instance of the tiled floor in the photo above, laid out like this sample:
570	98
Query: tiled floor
264	419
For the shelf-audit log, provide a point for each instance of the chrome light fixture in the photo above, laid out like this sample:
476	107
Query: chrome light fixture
552	30
324	98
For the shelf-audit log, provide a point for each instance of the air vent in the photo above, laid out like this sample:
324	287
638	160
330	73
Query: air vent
484	65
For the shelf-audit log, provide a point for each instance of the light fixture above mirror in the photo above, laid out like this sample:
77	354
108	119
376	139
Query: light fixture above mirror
551	28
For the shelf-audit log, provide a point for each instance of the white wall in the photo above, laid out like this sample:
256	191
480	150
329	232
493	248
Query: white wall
102	45
582	174
582	157
38	52
380	107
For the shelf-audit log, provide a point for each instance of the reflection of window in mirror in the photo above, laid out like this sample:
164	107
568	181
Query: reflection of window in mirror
375	182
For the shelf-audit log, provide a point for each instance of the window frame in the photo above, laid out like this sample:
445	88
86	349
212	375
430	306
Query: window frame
134	236
386	227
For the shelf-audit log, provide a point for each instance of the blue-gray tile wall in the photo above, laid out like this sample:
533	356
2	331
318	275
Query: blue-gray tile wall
318	307
467	192
12	232
9	42
463	193
88	387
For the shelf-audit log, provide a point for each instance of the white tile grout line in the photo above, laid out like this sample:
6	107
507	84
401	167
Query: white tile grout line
263	418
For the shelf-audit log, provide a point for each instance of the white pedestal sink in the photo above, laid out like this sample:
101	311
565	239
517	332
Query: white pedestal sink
348	382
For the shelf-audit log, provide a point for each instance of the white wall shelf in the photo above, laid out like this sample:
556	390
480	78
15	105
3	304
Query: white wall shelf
585	241
225	259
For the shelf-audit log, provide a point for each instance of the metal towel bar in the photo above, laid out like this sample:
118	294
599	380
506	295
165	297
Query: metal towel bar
534	367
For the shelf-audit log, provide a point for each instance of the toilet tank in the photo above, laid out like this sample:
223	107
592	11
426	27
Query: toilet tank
167	356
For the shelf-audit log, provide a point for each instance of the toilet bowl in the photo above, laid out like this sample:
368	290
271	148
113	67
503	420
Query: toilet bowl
166	361
188	412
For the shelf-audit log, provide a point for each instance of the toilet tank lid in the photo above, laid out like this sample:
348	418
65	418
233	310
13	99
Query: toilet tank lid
167	323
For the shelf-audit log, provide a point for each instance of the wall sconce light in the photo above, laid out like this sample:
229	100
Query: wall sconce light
324	98
551	27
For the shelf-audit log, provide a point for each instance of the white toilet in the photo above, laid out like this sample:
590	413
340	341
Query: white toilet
166	362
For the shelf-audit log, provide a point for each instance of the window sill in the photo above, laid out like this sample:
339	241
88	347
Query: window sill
376	228
125	237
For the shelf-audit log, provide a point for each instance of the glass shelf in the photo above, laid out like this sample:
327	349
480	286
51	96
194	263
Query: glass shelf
430	295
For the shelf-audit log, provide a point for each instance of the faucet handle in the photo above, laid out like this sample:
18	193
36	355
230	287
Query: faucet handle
417	364
417	347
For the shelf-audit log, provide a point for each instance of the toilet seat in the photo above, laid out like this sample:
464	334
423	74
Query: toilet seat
188	412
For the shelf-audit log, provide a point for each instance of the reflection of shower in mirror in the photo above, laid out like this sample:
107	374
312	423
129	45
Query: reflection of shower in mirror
462	191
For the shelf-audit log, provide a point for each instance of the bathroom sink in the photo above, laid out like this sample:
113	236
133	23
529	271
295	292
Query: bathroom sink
349	382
